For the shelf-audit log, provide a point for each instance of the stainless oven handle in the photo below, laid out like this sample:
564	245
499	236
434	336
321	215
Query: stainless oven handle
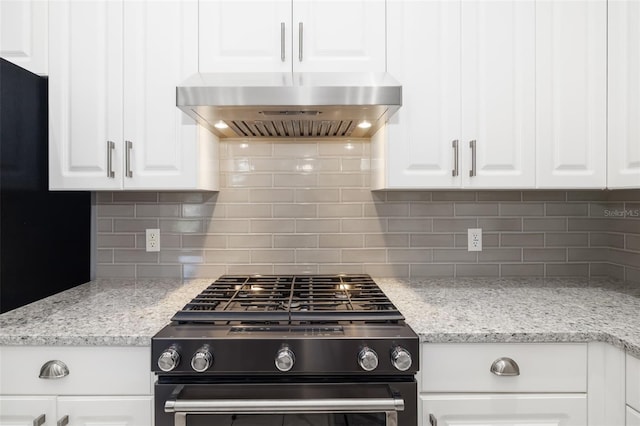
282	406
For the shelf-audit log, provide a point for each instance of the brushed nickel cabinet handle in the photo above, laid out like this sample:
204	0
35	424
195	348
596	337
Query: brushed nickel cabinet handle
64	421
432	420
505	367
54	369
282	35
111	146
128	158
39	421
455	171
472	145
300	40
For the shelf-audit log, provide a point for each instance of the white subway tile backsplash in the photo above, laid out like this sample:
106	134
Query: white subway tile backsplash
306	207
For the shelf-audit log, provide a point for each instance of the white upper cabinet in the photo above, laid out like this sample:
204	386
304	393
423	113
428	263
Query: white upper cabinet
85	95
245	36
571	93
624	94
339	35
498	93
23	34
424	55
467	70
292	35
113	120
167	150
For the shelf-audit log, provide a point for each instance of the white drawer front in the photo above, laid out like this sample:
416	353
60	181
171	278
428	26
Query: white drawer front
633	382
465	367
92	370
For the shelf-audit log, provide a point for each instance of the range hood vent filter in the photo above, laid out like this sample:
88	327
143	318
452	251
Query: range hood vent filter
293	128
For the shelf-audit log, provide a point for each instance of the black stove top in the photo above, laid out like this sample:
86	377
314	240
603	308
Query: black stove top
290	299
324	324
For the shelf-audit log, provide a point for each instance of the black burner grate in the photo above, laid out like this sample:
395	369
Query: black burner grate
290	299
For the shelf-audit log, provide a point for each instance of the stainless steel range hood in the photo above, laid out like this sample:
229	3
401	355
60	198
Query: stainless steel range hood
290	105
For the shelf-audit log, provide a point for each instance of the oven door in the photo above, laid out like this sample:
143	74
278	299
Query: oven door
286	404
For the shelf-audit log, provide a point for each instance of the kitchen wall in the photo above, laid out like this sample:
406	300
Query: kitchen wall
306	207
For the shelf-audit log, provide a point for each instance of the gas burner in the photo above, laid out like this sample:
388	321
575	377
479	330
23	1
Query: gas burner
290	298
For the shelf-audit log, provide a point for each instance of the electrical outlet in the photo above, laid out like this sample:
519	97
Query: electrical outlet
153	240
474	239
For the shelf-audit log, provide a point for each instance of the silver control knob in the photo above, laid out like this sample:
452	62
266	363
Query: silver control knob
169	359
285	359
368	359
401	358
202	360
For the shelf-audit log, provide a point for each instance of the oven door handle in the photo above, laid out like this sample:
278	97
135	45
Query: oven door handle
283	406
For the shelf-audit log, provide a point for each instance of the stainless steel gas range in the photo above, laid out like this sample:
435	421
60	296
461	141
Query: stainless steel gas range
287	350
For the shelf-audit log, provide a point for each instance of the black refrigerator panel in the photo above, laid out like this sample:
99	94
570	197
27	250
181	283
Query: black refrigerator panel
45	237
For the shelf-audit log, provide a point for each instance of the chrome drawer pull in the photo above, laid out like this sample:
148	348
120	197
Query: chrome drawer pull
39	421
54	369
64	421
505	367
432	420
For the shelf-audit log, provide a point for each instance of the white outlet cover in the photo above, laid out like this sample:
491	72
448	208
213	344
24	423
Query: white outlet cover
153	239
474	239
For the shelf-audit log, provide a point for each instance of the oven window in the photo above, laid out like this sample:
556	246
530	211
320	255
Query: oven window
342	419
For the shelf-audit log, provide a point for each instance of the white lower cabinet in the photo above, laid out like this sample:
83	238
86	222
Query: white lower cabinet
105	386
504	384
504	409
106	411
633	390
27	410
76	410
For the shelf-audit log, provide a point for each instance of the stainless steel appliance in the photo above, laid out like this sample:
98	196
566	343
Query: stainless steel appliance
287	350
290	105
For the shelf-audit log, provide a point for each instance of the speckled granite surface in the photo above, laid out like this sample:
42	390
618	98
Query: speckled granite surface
102	312
112	312
520	310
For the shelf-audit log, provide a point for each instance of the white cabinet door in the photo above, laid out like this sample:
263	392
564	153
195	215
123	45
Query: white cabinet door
339	35
505	409
27	410
245	35
624	94
286	35
498	94
571	91
467	71
113	119
85	95
160	51
23	34
106	411
424	55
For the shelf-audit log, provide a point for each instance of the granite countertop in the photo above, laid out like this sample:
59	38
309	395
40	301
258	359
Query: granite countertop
128	313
